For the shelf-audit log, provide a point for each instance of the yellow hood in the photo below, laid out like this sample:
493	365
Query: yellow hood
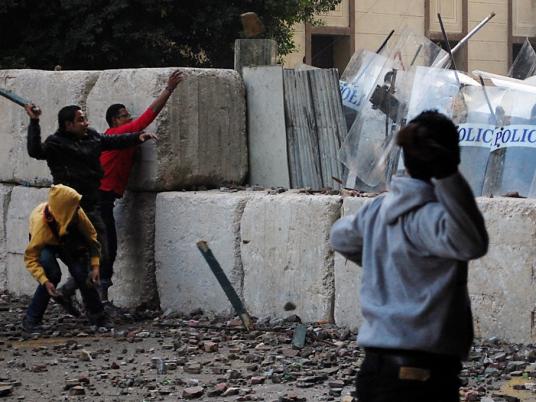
63	203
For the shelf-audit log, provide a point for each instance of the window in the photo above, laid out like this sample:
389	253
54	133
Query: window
330	51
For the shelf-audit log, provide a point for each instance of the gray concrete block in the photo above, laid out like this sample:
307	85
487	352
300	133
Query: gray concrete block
286	255
202	129
268	162
348	278
185	281
501	284
22	202
134	268
19	281
50	90
5	195
254	52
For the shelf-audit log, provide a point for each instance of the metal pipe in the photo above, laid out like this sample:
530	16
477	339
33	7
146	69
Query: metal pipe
385	41
449	50
466	38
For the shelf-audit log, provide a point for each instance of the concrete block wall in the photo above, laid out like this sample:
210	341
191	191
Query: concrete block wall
202	142
134	280
502	283
286	257
285	260
202	130
185	282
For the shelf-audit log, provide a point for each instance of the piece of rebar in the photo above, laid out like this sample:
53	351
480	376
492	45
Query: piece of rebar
449	50
225	284
14	97
488	101
466	38
416	55
385	41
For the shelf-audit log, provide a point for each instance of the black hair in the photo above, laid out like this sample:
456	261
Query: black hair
113	112
425	139
67	113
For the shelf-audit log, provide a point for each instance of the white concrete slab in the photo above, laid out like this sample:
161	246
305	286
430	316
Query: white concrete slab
348	278
22	202
185	281
202	129
286	257
502	283
134	268
267	137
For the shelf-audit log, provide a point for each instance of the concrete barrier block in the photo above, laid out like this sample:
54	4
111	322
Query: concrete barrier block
134	272
50	90
501	284
202	132
5	195
286	256
22	202
185	281
268	163
348	278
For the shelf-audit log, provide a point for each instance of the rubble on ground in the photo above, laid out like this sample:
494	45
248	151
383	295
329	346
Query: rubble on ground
165	356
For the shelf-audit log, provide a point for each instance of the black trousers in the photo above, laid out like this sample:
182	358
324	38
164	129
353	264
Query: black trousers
107	204
95	216
408	376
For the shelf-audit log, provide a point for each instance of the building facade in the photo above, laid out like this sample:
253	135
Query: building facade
365	24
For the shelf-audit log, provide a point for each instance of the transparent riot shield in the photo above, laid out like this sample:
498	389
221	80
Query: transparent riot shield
434	88
532	191
357	81
512	162
475	112
368	151
524	65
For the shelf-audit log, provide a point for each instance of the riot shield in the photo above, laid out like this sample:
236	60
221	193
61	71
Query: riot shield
524	65
512	162
357	81
369	152
475	112
532	191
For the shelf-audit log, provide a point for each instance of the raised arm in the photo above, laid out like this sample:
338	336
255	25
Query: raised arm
35	147
174	79
454	227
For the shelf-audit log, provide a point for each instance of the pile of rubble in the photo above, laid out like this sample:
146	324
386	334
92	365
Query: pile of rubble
155	356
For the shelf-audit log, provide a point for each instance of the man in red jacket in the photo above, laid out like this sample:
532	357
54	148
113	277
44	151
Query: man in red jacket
117	166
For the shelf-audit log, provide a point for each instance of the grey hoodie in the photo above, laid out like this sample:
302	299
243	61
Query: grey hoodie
414	244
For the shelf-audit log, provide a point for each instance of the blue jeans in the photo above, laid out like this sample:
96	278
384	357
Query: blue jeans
79	270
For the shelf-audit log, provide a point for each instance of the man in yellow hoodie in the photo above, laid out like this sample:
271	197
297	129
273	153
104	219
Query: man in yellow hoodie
59	228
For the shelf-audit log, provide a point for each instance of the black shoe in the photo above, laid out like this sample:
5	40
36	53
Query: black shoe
100	320
112	310
68	304
30	326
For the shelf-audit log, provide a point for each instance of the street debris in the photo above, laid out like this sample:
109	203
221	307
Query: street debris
169	356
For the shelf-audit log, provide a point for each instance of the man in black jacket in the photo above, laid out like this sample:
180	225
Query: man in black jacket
72	154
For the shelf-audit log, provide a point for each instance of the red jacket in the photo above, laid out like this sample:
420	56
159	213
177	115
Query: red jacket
118	163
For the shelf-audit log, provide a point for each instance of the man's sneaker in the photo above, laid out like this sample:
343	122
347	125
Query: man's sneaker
100	320
114	312
68	304
30	326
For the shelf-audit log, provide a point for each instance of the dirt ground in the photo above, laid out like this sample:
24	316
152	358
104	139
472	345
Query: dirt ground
164	357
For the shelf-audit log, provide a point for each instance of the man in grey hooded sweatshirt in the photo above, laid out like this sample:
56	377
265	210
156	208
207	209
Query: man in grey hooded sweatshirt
414	243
